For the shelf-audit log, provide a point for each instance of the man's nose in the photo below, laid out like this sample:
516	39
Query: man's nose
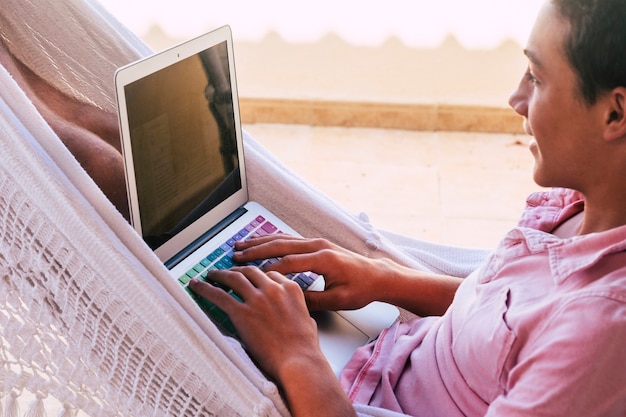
518	100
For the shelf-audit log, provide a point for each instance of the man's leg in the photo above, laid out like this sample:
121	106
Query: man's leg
91	134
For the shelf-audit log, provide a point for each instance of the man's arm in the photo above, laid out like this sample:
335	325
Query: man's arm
276	329
312	389
420	292
352	280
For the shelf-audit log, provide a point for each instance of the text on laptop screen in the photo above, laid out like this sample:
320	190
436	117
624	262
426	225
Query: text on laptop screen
183	139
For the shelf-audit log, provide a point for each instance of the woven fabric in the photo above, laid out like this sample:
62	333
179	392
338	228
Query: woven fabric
82	319
75	45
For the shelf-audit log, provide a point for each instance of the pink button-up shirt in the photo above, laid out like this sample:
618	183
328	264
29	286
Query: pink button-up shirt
538	330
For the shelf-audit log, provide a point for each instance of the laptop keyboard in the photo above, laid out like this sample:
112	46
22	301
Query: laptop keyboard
221	258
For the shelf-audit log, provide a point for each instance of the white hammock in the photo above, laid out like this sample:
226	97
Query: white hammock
89	316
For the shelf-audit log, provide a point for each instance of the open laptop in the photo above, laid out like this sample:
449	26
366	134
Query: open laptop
187	184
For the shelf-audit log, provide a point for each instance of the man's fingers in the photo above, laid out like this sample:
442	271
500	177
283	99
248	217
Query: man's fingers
322	301
213	294
267	247
257	240
256	277
242	280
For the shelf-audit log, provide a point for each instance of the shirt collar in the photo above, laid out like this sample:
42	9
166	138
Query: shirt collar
544	212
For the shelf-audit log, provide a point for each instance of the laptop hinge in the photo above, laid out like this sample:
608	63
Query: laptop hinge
208	235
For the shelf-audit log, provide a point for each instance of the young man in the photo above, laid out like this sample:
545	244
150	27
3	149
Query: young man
540	328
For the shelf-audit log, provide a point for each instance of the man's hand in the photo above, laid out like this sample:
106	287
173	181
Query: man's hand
352	280
274	324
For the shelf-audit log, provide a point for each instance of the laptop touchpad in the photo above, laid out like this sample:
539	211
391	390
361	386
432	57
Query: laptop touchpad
338	338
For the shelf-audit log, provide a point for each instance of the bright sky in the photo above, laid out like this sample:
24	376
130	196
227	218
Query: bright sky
418	23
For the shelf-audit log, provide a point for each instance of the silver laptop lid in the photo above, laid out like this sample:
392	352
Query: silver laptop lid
181	139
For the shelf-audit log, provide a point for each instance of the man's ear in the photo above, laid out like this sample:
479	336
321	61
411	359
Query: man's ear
615	117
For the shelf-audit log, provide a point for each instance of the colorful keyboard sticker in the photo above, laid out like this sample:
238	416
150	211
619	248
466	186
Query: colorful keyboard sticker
221	258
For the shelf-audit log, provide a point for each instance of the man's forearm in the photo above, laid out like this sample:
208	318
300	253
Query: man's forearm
423	293
312	390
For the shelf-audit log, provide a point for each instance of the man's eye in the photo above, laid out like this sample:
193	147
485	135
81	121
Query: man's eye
530	77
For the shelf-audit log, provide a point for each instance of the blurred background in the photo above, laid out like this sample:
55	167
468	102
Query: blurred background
398	110
417	23
448	51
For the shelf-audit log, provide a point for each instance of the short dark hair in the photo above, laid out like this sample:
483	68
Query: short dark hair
596	45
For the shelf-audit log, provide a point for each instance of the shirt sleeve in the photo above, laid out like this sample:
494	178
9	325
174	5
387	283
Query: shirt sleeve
575	364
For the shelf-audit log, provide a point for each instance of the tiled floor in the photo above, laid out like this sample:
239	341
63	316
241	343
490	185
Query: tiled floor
457	188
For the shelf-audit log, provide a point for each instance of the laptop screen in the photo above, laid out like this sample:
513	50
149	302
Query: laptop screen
184	144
